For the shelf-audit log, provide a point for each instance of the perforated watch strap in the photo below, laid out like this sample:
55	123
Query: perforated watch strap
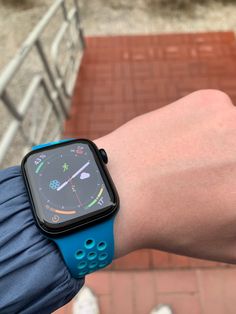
89	249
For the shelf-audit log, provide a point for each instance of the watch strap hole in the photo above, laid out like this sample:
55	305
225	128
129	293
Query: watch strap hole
89	243
79	254
101	245
82	265
92	256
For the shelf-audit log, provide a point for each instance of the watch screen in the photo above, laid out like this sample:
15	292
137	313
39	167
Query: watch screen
67	184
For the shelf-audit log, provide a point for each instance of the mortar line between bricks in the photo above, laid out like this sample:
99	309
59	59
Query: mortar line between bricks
180	293
173	268
200	291
110	283
155	286
133	294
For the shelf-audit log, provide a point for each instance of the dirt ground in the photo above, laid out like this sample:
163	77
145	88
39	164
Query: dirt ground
104	17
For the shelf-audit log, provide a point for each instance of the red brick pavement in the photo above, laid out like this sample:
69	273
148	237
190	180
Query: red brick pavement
124	76
196	291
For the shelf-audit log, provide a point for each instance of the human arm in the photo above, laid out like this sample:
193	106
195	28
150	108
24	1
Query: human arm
33	276
175	170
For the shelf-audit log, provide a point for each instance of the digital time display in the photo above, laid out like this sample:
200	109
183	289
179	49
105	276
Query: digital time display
66	184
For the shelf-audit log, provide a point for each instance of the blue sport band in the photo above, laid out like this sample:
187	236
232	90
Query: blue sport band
89	249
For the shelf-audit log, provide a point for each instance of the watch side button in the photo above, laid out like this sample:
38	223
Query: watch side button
103	155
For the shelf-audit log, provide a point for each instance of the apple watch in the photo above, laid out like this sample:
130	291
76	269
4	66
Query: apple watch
74	201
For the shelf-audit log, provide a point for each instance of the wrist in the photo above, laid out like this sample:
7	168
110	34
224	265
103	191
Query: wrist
127	235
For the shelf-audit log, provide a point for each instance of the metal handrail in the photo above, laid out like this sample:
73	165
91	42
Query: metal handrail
55	88
27	46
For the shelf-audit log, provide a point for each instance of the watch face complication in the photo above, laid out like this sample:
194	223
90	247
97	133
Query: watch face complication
67	184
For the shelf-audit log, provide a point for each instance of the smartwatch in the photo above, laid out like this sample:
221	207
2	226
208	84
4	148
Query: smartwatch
74	201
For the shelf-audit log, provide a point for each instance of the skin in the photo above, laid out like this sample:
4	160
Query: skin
175	171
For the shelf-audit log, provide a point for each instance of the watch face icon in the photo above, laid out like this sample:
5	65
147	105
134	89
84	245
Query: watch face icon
84	175
54	184
55	218
65	167
79	150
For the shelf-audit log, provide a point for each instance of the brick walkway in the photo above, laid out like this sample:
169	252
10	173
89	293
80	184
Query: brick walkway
209	291
122	77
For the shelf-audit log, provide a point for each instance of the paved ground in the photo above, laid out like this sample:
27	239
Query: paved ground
122	77
106	17
187	291
208	291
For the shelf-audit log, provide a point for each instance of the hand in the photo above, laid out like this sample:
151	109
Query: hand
178	193
72	177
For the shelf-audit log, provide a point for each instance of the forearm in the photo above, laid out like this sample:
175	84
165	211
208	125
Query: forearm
175	173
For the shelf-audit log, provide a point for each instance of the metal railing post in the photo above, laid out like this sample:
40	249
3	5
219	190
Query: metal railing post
57	87
10	106
51	77
81	33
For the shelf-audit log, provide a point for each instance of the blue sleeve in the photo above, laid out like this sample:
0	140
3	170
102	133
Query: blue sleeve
33	276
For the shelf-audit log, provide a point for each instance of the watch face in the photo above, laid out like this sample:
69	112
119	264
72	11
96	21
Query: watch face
68	185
